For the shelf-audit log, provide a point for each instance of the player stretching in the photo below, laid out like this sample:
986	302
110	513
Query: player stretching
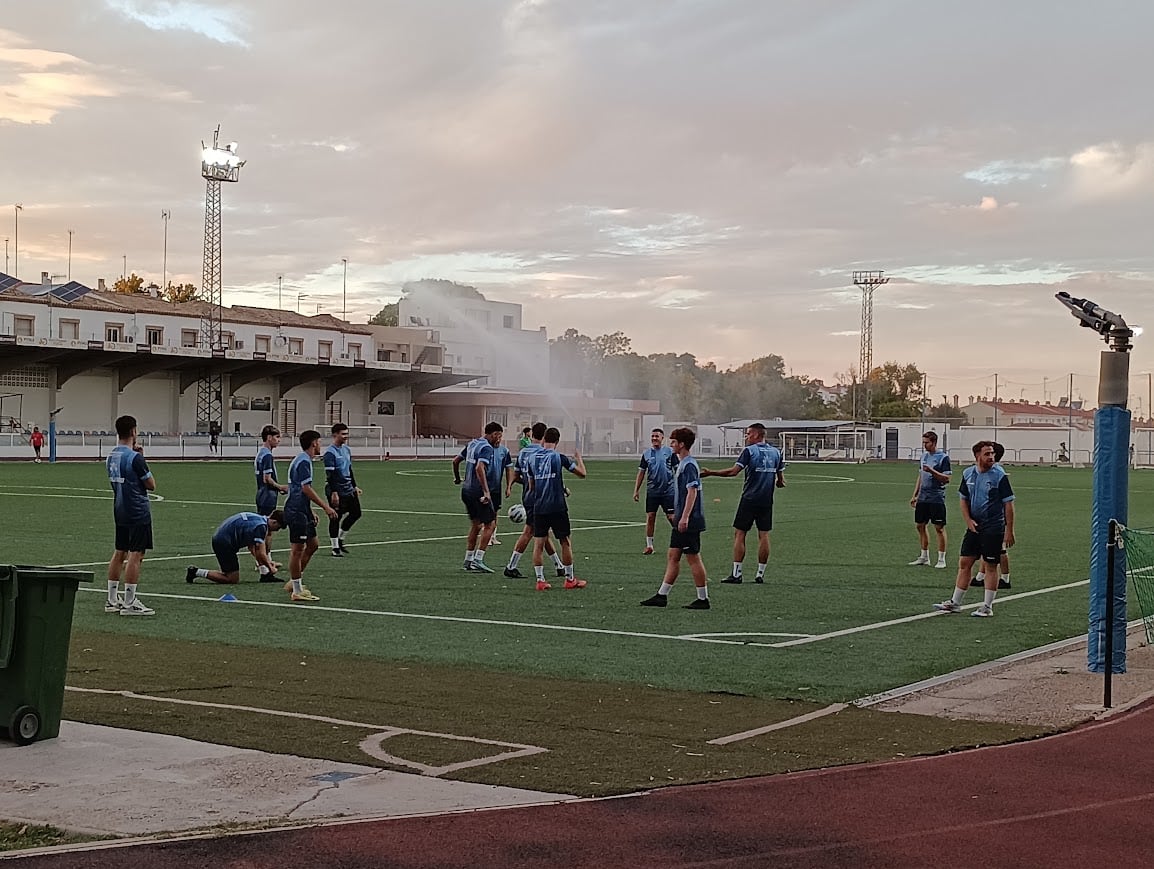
521	472
299	517
657	462
550	512
341	488
243	531
478	456
267	487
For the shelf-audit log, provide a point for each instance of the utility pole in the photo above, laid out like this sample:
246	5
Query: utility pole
279	289
164	215
70	255
869	282
17	209
995	406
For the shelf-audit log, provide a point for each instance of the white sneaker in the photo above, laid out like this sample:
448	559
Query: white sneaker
941	565
114	606
136	608
921	559
947	606
983	612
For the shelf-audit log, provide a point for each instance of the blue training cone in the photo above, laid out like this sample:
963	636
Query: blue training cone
229	598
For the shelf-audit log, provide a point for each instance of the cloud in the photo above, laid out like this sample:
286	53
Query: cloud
219	25
1112	169
998	172
37	84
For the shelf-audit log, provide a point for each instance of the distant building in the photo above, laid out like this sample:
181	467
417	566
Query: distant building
983	412
829	394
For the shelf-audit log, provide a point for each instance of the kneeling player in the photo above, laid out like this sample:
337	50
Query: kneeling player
242	531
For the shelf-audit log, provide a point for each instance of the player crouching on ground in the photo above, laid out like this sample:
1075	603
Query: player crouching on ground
242	531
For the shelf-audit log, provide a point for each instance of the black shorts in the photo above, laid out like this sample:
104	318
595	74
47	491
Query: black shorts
689	542
134	538
654	503
345	503
558	523
927	512
302	527
751	512
226	556
265	501
986	544
483	512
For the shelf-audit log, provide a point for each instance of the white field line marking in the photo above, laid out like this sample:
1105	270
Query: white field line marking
370	745
370	543
745	634
781	725
437	618
815	638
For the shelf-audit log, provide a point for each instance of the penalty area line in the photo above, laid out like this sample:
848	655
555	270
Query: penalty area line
832	709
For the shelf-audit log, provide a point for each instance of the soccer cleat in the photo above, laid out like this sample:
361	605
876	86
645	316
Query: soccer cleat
113	606
978	581
190	574
1003	584
921	559
514	573
136	608
542	585
698	604
344	549
983	612
575	583
480	567
494	542
337	553
304	594
648	550
732	580
656	600
465	564
759	579
941	565
271	577
947	606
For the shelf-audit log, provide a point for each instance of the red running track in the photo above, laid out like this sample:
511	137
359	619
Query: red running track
1074	800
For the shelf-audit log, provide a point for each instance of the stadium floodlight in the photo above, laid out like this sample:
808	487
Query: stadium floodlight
220	164
1109	325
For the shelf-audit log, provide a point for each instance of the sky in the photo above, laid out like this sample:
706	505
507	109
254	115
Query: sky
703	175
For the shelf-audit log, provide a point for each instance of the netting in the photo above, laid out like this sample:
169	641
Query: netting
1138	547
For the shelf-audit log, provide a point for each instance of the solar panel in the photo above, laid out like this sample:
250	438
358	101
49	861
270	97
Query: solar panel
70	291
7	281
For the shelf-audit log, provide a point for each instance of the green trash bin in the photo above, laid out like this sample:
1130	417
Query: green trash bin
35	629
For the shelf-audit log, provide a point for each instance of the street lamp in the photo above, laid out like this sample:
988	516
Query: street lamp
299	297
279	288
70	254
164	215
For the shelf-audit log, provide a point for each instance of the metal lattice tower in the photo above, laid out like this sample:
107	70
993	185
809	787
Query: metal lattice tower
868	281
217	165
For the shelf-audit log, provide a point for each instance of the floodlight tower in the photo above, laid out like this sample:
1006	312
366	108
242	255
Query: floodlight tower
868	281
217	165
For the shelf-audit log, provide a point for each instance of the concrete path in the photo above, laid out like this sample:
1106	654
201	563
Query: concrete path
108	781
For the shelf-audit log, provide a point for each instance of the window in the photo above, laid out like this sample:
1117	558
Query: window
386	408
70	329
296	346
384	355
113	331
508	321
605	423
154	335
355	351
188	337
24	326
325	349
262	343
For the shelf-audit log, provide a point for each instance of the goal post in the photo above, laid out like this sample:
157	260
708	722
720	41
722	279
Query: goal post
365	441
854	445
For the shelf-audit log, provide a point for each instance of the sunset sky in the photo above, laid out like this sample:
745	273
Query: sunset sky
704	175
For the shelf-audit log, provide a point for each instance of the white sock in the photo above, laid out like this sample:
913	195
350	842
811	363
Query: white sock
479	555
941	558
1006	577
665	589
737	568
926	554
649	542
129	593
557	559
959	593
539	569
990	595
761	569
298	585
201	572
568	571
703	592
513	559
113	590
263	570
469	553
336	542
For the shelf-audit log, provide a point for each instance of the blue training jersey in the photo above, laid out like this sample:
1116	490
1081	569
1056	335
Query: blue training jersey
987	494
524	467
242	531
300	474
761	462
658	465
548	487
127	471
264	464
478	452
933	490
688	476
338	462
496	469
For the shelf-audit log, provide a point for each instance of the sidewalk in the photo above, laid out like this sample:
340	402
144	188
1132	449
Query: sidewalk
105	781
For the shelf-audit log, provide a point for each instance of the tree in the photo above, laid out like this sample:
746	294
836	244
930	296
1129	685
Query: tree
129	285
387	316
180	293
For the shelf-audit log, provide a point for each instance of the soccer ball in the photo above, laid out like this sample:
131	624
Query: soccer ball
517	514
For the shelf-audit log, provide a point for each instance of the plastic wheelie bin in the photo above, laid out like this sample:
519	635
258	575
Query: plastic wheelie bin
35	628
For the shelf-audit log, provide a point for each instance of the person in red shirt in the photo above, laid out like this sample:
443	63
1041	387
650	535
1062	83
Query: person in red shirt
37	441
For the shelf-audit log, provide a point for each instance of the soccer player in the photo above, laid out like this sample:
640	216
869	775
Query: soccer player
341	488
522	471
987	502
550	512
1004	564
243	531
267	487
929	498
685	538
763	468
299	517
36	439
478	456
657	463
526	438
500	482
131	481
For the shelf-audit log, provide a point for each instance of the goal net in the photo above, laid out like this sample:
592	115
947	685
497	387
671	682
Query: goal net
1138	547
855	445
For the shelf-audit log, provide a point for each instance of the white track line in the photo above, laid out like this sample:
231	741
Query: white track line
370	745
781	725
